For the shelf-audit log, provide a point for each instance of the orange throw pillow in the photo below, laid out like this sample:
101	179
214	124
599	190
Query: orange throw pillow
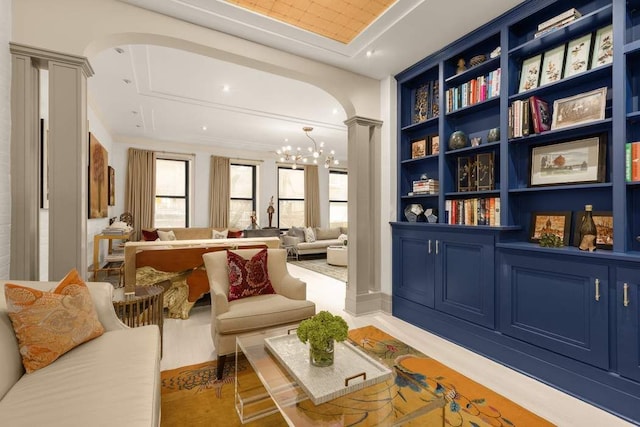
49	324
248	277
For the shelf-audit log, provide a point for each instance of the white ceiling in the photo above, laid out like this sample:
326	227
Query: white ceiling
172	94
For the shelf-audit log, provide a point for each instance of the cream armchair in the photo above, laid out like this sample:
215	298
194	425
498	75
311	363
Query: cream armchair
288	306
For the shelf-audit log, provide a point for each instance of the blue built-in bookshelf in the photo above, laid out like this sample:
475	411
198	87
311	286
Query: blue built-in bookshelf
548	111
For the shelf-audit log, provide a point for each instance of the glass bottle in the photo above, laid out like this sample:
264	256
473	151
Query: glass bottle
588	231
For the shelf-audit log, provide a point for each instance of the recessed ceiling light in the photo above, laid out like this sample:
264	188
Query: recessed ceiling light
370	53
335	111
127	81
204	128
286	140
225	88
118	49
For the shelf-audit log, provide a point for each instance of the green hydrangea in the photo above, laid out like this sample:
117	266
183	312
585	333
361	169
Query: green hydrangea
321	328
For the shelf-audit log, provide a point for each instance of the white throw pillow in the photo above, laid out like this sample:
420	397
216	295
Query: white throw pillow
309	235
342	238
220	234
166	235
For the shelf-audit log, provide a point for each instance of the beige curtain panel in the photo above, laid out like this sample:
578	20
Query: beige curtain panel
311	196
141	188
220	193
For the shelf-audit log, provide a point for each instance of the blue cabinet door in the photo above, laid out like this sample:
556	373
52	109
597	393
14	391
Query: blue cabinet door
628	316
556	303
413	266
464	278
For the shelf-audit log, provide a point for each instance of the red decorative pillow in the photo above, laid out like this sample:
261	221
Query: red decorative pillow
248	277
150	235
234	234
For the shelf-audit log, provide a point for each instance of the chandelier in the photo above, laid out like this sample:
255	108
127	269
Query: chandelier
312	155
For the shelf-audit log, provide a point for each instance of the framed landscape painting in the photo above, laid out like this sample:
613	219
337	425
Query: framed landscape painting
582	108
557	223
604	227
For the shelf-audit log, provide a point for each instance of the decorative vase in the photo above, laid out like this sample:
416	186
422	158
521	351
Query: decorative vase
493	135
321	356
457	140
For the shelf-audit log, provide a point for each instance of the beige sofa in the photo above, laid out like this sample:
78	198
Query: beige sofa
260	313
325	237
112	380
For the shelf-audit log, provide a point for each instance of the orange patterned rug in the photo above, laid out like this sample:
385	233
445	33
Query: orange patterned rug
192	396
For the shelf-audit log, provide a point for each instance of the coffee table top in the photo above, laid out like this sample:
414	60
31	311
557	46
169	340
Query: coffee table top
366	407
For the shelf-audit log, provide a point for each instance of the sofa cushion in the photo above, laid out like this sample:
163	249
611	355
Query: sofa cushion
261	312
327	233
319	244
309	235
150	235
222	234
234	234
113	380
248	277
344	230
166	236
49	324
296	232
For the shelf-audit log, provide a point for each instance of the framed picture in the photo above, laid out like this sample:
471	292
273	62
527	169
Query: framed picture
435	145
577	56
485	172
530	73
604	226
465	174
98	178
421	104
582	108
418	148
112	186
557	223
602	47
552	65
571	162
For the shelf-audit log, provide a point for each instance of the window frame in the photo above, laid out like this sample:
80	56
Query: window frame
254	190
346	201
280	167
189	179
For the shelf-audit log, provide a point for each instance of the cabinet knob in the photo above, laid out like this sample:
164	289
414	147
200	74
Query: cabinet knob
625	295
597	289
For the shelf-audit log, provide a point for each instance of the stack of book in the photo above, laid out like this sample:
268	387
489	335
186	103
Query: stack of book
558	21
483	211
632	162
425	186
529	116
474	91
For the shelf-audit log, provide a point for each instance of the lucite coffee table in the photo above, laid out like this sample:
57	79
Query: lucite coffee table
374	405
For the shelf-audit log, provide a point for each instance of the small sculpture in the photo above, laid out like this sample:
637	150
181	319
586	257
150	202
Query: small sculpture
254	221
495	52
461	66
270	211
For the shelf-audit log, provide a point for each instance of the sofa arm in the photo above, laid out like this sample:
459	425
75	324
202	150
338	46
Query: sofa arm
102	296
219	298
290	240
291	287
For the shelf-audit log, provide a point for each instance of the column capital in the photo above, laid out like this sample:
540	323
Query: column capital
43	56
362	121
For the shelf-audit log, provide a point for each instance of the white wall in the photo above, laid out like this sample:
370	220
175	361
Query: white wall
388	101
5	138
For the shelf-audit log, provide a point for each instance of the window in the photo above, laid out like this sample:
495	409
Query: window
338	197
243	195
172	193
290	198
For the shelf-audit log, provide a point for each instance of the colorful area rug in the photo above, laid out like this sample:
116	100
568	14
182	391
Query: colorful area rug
321	266
192	396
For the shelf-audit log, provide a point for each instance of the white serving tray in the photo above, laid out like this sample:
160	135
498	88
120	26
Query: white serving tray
352	369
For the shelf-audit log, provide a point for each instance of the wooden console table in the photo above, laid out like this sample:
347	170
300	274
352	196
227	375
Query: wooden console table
96	252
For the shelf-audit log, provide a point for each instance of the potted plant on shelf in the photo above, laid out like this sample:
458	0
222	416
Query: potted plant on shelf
321	331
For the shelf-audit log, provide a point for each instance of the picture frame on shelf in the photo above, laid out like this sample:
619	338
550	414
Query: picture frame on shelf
418	148
602	47
552	65
557	223
421	103
578	51
579	109
465	174
530	73
112	186
435	145
570	162
485	171
604	226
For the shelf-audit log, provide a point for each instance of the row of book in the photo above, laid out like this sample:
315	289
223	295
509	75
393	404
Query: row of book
481	211
426	103
558	21
632	162
528	116
474	91
425	186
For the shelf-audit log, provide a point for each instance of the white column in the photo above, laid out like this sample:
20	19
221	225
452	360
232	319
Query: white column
363	287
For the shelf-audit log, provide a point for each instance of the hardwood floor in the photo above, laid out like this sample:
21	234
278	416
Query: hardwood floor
187	342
